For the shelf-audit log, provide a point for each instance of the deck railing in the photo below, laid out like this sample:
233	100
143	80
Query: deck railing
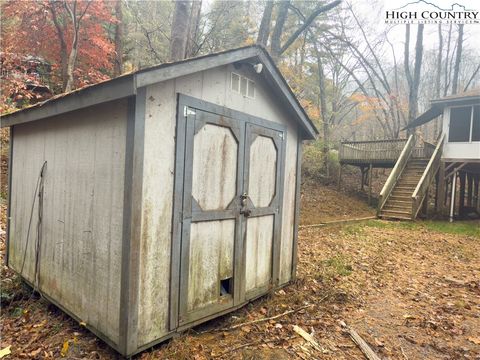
375	151
396	172
427	177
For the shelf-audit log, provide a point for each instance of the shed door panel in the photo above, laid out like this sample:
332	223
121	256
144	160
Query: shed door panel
259	241
230	212
210	214
261	183
211	260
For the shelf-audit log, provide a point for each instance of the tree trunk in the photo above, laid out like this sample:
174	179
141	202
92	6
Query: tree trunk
72	57
63	45
414	81
277	48
446	72
437	122
278	29
456	69
323	111
264	31
178	44
193	24
118	39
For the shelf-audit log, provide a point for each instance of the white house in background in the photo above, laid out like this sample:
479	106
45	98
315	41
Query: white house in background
461	149
462	127
423	169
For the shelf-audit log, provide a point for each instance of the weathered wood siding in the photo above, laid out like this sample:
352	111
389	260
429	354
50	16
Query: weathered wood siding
159	163
157	202
80	255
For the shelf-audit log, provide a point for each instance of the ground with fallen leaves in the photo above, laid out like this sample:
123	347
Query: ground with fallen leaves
411	290
341	205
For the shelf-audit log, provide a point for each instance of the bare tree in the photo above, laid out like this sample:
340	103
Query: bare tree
413	80
323	109
446	70
277	49
264	31
456	69
193	25
472	77
438	76
178	43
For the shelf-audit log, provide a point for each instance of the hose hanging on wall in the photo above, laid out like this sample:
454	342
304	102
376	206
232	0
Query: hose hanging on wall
38	191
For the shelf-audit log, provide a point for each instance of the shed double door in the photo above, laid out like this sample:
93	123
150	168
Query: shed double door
231	212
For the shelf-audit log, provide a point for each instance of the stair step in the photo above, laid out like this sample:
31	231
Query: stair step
397	217
394	208
396	212
412	173
405	188
401	196
404	201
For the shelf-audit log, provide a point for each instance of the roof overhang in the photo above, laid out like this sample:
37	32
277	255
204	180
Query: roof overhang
127	85
428	115
437	107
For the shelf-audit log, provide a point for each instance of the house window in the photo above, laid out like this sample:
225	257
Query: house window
242	85
460	124
476	124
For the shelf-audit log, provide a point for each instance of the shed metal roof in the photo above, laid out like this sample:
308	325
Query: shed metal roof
127	85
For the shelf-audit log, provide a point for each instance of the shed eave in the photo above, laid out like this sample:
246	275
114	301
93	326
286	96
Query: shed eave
114	89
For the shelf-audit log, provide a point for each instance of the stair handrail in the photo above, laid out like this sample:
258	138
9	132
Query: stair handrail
427	177
396	172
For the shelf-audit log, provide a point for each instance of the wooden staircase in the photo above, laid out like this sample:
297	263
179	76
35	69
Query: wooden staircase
399	203
408	183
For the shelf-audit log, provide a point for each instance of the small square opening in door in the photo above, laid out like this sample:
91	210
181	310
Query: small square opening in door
226	287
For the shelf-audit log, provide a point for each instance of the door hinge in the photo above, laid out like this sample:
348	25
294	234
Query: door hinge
188	111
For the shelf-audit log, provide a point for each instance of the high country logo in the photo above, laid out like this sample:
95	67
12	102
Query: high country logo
424	12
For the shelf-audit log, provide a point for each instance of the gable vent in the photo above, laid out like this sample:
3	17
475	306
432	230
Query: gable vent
242	85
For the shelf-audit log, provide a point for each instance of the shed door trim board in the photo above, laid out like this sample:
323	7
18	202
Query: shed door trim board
195	116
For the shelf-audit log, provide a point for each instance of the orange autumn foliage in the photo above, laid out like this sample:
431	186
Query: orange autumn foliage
28	30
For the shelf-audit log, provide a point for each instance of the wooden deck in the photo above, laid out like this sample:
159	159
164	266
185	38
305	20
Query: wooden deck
379	153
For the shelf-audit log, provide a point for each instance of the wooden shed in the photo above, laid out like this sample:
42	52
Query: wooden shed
155	201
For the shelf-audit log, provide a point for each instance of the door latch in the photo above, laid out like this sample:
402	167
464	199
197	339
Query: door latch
243	205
